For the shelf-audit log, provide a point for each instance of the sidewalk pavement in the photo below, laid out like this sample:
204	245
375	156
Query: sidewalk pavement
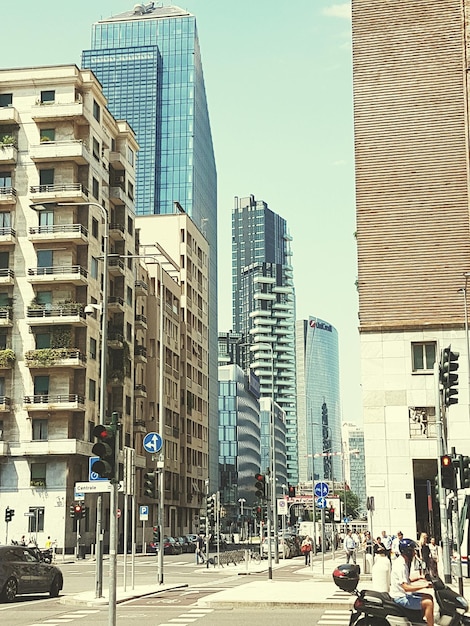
310	587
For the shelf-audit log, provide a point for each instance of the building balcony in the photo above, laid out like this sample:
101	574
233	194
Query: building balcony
117	160
75	274
116	267
55	357
5	404
140	391
9	115
141	322
117	195
7	195
115	340
74	150
54	111
7	276
116	378
69	192
67	314
75	233
49	402
115	304
50	447
140	426
117	231
6	316
141	288
4	448
8	154
7	236
140	354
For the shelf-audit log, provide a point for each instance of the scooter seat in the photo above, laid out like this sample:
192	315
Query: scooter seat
378	602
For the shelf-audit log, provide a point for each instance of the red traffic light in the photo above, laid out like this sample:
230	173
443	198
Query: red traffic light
259	477
77	508
446	460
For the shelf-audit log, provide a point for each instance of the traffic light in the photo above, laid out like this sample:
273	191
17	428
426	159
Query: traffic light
330	515
9	513
77	510
448	378
260	486
210	508
447	473
258	514
436	490
105	448
156	534
291	491
72	511
83	512
150	484
464	469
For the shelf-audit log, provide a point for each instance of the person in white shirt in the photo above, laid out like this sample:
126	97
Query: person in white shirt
395	545
402	591
350	547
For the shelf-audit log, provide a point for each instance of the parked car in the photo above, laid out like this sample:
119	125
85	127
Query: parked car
170	546
185	544
22	570
192	540
285	547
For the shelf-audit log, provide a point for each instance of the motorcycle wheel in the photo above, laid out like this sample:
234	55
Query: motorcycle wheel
372	621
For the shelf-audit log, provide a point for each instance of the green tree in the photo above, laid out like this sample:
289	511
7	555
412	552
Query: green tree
352	504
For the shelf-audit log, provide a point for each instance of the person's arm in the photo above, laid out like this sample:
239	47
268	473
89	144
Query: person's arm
415	585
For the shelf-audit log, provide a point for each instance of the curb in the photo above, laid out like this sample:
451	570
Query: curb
84	600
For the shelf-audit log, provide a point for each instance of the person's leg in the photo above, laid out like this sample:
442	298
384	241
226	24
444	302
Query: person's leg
427	606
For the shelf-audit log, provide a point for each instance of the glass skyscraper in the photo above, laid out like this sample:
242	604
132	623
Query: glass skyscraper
149	63
318	400
264	309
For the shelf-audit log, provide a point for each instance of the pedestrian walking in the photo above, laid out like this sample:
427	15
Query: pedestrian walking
306	549
200	558
433	557
350	547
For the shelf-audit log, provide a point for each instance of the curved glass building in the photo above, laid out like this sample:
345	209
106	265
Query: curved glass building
318	400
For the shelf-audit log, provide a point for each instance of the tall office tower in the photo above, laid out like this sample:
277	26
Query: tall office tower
66	181
354	461
411	116
318	400
149	63
264	308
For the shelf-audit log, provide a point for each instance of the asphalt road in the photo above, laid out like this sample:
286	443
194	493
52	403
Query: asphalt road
162	609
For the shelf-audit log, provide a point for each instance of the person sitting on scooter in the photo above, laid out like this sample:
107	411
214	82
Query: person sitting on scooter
403	591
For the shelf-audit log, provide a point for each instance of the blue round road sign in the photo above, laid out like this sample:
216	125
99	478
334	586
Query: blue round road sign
321	503
321	490
152	442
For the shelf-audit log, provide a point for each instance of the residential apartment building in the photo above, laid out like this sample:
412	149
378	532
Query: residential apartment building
66	173
354	461
318	400
410	63
184	420
148	60
264	309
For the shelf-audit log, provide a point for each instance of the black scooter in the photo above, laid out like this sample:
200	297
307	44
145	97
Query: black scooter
375	608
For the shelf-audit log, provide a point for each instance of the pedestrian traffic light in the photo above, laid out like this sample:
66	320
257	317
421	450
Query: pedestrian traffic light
77	510
258	513
210	508
330	513
447	376
9	513
291	490
150	484
105	448
156	534
447	473
260	486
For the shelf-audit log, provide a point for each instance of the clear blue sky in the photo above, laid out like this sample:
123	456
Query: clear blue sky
279	86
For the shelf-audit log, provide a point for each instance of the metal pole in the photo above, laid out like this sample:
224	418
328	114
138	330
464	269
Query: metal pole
273	471
442	494
113	531
99	549
314	512
268	530
161	424
126	530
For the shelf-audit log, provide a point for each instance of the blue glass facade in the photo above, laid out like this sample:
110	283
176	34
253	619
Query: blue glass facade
149	63
318	400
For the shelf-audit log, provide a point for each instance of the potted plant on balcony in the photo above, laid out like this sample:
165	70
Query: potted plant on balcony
7	358
7	140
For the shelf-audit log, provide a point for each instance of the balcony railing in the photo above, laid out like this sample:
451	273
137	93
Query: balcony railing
7	191
140	351
57	270
48	357
6	230
53	229
115	300
7	273
141	287
62	311
140	319
54	399
67	187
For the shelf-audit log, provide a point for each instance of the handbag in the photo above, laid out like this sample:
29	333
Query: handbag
305	548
